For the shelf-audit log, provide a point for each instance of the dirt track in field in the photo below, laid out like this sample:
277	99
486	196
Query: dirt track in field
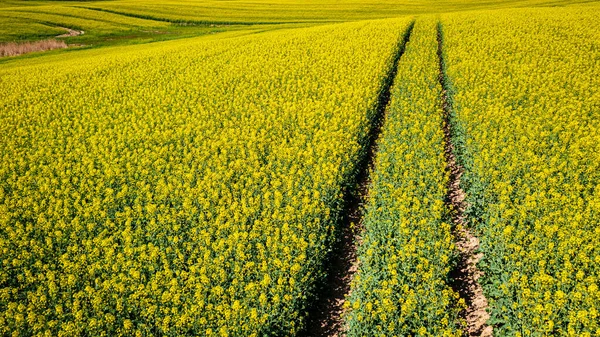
466	274
325	317
70	32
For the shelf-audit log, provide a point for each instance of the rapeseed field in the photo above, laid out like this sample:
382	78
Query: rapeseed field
203	186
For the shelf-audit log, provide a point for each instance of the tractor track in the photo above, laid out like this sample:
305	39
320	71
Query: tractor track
466	274
326	314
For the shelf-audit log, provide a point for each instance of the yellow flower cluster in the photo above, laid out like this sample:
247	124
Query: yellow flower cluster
141	20
263	11
182	188
401	288
527	92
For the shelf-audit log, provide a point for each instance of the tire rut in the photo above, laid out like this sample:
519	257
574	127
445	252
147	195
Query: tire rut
326	315
466	274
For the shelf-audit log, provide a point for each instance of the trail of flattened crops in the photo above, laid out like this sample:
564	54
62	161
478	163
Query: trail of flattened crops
466	274
326	316
402	285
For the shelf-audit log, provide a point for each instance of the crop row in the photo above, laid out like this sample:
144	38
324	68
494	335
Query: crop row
402	286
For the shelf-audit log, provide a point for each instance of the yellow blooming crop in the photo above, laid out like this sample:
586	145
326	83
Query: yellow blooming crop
402	284
527	95
181	188
108	22
194	187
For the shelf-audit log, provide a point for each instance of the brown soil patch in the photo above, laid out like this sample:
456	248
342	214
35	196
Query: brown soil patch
465	276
